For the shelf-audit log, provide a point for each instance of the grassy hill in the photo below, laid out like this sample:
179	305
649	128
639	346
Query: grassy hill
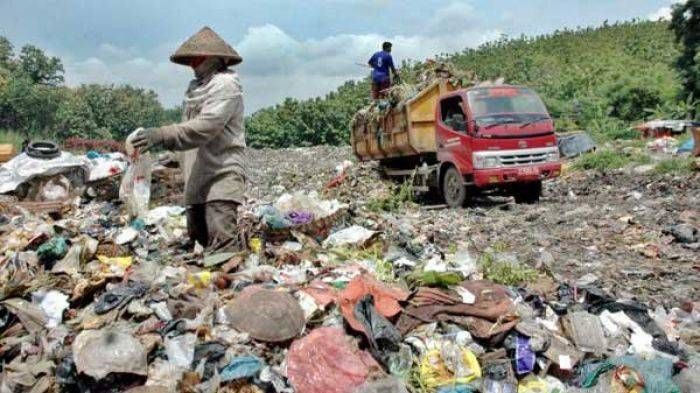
599	79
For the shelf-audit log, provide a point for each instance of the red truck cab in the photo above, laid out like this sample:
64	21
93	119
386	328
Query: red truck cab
494	137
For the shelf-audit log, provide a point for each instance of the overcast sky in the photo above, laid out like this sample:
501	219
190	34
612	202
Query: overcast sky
299	48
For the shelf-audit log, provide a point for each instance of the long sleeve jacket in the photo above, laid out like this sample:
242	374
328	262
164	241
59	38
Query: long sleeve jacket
211	139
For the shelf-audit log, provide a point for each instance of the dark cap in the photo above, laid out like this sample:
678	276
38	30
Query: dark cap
386	45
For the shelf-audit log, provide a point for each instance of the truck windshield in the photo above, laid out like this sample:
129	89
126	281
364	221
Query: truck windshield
498	105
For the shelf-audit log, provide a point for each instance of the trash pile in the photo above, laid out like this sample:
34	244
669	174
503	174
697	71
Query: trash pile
329	296
416	80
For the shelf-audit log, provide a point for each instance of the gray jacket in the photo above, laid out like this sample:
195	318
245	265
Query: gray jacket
211	139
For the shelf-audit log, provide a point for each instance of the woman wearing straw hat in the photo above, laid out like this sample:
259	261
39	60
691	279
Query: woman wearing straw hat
211	139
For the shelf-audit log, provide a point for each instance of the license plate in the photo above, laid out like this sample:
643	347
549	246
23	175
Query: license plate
529	171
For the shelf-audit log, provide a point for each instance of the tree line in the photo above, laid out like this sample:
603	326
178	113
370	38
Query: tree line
35	103
603	80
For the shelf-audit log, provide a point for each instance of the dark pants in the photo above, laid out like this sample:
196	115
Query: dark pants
214	225
379	89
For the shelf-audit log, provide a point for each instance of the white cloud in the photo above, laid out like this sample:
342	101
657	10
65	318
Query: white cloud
664	13
277	65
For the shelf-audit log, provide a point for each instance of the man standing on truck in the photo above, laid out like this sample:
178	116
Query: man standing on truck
381	63
210	139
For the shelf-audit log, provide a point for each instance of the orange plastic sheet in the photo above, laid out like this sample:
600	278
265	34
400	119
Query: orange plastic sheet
386	299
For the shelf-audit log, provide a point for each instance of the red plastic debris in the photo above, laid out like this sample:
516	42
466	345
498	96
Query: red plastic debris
328	361
322	293
386	299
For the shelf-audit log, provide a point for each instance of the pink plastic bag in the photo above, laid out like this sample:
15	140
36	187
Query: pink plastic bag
328	361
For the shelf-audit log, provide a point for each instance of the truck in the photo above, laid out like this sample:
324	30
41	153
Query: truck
459	142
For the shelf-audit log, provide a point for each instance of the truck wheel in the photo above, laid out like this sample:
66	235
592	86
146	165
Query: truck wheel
453	190
529	193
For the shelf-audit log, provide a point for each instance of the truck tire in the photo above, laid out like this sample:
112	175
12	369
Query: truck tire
453	190
528	193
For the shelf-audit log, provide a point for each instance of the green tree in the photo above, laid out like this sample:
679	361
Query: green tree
40	68
685	22
6	53
108	111
600	79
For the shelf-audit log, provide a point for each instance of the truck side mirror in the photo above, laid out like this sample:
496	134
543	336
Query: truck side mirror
459	123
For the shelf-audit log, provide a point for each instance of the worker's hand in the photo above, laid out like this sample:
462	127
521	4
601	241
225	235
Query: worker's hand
146	139
168	160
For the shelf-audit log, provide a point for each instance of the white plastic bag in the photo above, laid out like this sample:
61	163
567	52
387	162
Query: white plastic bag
135	190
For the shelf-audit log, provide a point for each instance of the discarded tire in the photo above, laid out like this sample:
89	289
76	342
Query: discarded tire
43	150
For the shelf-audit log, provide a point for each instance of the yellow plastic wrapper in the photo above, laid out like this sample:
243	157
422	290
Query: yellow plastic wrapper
533	384
200	279
122	262
434	372
255	244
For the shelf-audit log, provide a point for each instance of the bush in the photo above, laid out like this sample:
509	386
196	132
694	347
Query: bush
603	160
505	272
674	166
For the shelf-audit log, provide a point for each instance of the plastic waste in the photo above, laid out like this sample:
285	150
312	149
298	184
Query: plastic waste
241	367
53	303
24	168
627	380
115	265
55	189
386	299
135	189
655	373
120	296
495	386
575	144
310	203
382	335
524	356
499	376
126	235
458	388
533	384
206	358
384	385
448	366
586	332
180	349
217	259
328	361
464	262
165	375
53	250
351	236
30	315
100	352
687	146
299	217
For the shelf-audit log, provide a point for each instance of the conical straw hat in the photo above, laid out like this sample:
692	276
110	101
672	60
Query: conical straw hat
205	43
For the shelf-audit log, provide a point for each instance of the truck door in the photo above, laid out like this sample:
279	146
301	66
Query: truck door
453	138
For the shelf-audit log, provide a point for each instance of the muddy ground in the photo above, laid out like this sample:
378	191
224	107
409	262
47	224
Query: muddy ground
604	229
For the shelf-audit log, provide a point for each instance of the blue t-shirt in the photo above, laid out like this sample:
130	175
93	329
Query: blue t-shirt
381	62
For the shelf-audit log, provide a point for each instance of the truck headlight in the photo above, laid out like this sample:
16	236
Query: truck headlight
553	156
483	162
